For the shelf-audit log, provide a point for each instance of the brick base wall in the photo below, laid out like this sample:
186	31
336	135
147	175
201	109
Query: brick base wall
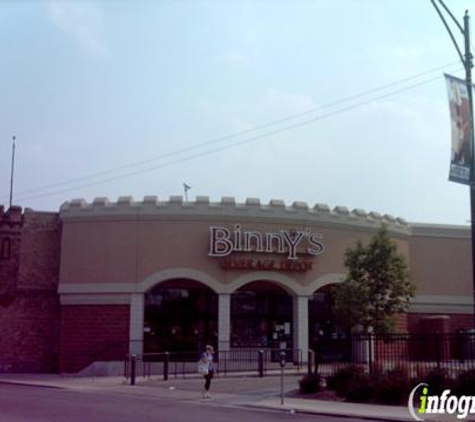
402	323
93	333
455	322
449	345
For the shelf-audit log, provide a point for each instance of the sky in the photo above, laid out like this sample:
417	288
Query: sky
331	102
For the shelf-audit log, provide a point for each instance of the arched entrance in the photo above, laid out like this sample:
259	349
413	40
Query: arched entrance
180	315
261	316
326	335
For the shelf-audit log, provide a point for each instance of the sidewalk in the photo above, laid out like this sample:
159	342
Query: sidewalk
254	392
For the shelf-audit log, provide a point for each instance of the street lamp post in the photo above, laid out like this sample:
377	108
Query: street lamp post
468	64
467	61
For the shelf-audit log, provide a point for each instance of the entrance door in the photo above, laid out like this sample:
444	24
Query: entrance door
180	316
326	337
261	316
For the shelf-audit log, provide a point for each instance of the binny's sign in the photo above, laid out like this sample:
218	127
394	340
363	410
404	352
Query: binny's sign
224	242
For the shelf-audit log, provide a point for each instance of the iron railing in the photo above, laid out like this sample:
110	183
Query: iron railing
415	353
255	361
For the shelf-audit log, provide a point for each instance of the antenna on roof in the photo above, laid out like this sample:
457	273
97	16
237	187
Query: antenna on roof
186	188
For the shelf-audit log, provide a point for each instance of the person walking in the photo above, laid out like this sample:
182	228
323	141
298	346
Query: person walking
207	358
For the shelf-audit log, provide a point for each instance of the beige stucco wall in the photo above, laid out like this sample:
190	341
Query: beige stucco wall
441	262
121	247
128	251
110	250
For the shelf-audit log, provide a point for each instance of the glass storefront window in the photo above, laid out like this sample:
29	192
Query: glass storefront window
180	315
261	316
323	327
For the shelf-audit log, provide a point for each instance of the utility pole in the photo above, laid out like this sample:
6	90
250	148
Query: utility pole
467	61
13	170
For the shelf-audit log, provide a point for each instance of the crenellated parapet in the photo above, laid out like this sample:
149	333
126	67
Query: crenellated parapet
11	219
176	207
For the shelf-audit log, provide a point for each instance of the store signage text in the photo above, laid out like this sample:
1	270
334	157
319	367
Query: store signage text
265	265
224	242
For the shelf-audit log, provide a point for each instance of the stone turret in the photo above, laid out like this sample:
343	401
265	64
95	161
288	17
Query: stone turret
11	222
29	304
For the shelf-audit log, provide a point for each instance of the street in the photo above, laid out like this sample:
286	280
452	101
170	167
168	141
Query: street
40	404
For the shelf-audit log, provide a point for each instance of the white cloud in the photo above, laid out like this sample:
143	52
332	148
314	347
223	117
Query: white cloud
400	52
288	103
234	58
83	22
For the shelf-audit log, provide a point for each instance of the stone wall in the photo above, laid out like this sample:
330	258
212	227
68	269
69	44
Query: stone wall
11	223
40	252
29	303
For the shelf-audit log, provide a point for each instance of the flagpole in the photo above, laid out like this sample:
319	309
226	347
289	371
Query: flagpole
12	170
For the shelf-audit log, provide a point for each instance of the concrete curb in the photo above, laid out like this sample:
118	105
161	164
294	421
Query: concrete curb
306	411
29	384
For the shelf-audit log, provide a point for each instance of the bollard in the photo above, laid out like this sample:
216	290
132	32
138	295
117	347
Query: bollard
282	365
437	349
166	362
132	369
310	359
315	356
370	353
260	365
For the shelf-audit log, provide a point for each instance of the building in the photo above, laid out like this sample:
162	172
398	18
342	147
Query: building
98	280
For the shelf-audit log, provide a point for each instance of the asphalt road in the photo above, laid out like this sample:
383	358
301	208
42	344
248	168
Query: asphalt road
39	404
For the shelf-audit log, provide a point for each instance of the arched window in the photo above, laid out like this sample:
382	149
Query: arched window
6	249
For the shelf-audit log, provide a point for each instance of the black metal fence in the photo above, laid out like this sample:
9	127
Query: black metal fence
254	361
415	353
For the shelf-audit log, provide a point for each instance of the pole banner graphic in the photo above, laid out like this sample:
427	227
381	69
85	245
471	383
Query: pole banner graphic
461	152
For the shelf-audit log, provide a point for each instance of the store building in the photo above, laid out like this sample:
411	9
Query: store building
171	275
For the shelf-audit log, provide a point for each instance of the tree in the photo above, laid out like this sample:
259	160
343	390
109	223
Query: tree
377	285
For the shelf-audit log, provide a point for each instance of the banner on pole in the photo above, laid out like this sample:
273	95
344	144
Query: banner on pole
461	128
